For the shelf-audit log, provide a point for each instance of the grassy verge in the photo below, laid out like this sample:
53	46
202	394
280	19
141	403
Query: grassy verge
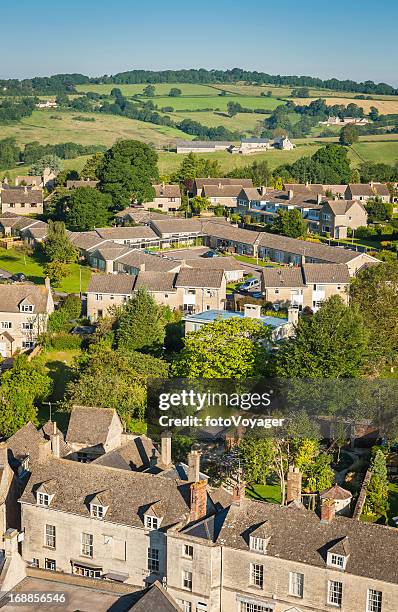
32	266
259	262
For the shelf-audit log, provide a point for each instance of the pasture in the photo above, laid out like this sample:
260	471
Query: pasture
161	89
195	103
385	107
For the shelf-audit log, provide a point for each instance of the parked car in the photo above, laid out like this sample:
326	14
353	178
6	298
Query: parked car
251	283
18	277
209	254
257	295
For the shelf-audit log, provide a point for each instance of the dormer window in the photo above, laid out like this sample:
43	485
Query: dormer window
338	561
43	499
26	308
97	511
257	544
152	522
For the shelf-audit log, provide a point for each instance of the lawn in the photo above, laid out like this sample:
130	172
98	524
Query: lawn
269	492
14	260
105	130
259	262
386	152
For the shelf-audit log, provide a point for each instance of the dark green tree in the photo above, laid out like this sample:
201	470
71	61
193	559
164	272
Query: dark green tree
289	223
85	208
330	344
348	135
141	324
128	172
175	92
57	246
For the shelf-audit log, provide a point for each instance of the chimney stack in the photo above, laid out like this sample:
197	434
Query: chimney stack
294	477
263	190
319	198
47	283
238	492
11	542
44	450
290	194
194	466
55	439
198	500
165	450
328	510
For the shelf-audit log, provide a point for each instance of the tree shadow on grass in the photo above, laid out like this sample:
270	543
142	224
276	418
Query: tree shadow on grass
61	374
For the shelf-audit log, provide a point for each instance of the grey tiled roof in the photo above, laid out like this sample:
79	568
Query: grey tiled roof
326	273
225	231
175	226
361	189
167	191
89	425
201	182
152	599
137	258
188	277
309	249
20	195
126	233
228	264
155	281
283	277
134	454
111	283
129	493
299	535
12	295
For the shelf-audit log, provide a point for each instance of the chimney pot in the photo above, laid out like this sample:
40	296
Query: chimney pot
194	466
238	492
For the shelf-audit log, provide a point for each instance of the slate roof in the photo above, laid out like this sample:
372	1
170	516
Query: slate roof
201	182
25	442
111	283
229	232
154	598
229	264
283	277
89	425
140	232
167	191
381	189
133	455
221	191
326	273
309	249
303	538
82	183
336	492
137	258
109	250
21	195
129	493
138	215
85	240
341	207
361	189
176	226
188	277
313	188
12	295
155	281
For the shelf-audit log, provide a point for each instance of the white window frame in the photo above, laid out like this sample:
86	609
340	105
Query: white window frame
257	544
153	560
97	511
338	561
187	551
187	580
50	537
152	522
43	499
87	545
252	606
296	584
27	308
257	575
335	593
374	600
50	564
186	606
6	324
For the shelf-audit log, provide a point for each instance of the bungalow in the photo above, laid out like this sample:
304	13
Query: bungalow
173	232
136	215
226	236
307	286
281	328
140	236
21	200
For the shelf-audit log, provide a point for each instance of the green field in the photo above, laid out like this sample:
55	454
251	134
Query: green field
14	261
215	102
249	123
161	89
105	130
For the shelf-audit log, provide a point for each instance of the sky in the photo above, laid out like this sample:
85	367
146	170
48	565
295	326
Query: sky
353	39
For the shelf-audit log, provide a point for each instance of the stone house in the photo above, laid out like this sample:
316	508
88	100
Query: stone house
307	286
249	146
338	215
24	311
46	180
201	290
195	186
92	432
21	200
167	198
173	232
222	195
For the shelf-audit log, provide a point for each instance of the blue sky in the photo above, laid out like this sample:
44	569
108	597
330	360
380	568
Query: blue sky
345	39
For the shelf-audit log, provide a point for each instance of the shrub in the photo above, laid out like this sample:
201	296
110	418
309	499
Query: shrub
61	341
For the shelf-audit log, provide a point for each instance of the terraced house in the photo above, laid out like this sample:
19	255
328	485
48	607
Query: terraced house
21	200
307	286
